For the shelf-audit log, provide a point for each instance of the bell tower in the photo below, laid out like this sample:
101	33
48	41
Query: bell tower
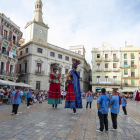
36	30
38	11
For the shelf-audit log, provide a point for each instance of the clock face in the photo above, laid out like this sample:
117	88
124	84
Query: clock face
40	31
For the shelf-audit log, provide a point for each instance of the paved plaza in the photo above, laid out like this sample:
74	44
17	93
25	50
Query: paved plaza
42	122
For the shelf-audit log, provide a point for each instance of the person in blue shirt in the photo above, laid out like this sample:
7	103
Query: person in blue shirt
29	97
115	108
124	104
16	100
103	108
89	99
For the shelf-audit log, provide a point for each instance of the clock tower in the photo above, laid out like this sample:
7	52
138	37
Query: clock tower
36	30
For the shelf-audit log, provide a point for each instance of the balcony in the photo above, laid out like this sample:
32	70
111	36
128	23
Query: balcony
98	60
39	72
98	70
16	43
4	52
134	77
13	42
126	66
133	66
107	69
7	38
21	72
106	59
115	69
8	75
115	59
106	83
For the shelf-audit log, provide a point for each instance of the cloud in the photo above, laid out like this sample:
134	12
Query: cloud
87	23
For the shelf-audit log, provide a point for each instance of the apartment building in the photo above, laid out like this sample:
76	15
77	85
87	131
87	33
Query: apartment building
106	71
130	66
10	35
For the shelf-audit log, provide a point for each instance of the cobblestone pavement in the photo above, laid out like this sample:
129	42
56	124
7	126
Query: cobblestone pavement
42	122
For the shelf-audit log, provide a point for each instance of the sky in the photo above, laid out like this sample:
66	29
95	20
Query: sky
82	22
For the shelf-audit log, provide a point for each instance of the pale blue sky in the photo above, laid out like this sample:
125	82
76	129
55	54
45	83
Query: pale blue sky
82	22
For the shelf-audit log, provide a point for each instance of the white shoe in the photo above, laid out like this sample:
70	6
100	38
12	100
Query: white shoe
28	107
16	114
74	113
85	108
125	115
112	129
98	130
12	113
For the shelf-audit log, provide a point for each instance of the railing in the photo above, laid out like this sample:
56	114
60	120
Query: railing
106	82
6	38
21	71
53	46
39	72
115	69
126	66
98	69
7	53
107	69
115	59
133	66
4	52
98	59
106	59
9	39
7	73
16	43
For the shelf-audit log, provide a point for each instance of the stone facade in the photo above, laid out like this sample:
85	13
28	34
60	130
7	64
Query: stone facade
36	55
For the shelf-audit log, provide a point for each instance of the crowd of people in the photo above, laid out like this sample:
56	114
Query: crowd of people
37	95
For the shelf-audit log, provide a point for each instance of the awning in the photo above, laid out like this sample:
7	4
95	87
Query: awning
13	51
109	89
2	82
129	89
10	83
23	85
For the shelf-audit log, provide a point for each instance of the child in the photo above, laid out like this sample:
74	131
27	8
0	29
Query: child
124	104
43	97
35	100
89	99
40	101
9	98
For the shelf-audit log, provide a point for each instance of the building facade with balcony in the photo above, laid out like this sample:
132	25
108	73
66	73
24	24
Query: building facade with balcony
9	37
36	56
106	62
130	66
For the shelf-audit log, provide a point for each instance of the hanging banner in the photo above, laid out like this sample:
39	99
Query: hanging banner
10	54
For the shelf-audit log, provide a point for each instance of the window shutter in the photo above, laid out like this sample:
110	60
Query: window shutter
133	71
132	61
125	61
125	71
132	55
133	83
126	81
